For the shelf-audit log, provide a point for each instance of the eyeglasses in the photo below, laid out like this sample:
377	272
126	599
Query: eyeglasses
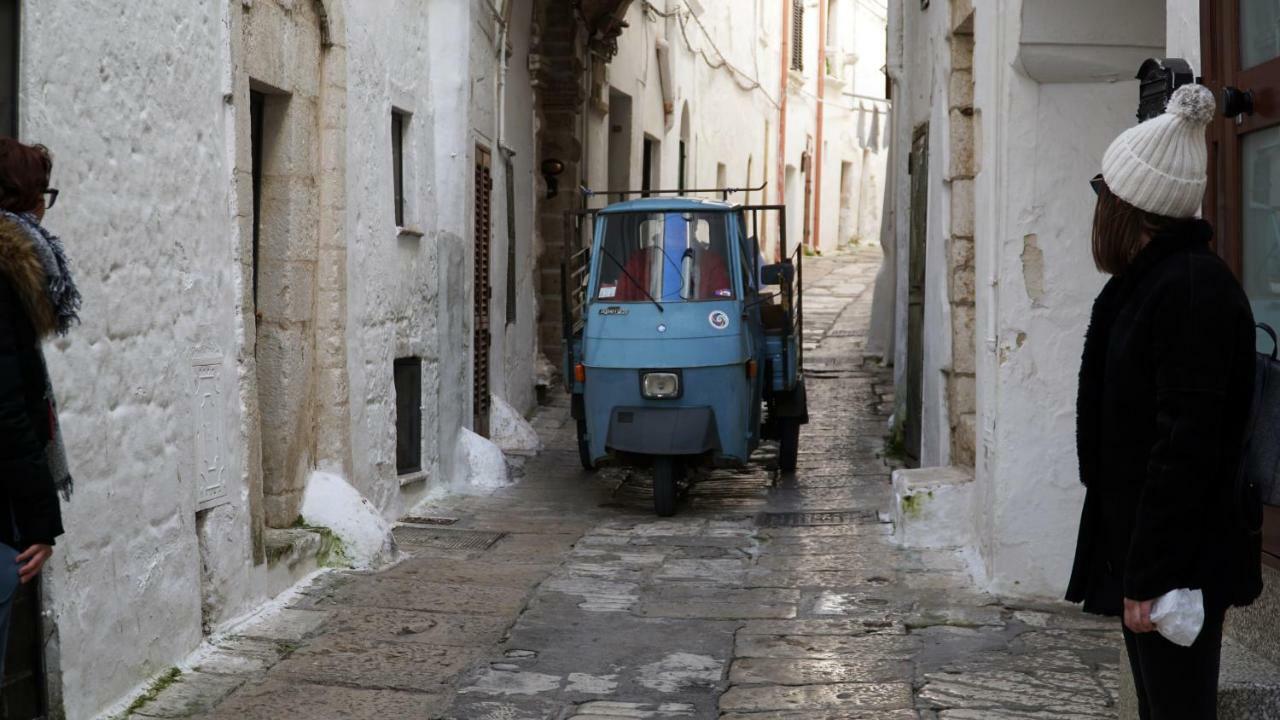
50	197
1097	184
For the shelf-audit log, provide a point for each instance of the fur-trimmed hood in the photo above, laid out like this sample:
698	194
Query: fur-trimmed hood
20	265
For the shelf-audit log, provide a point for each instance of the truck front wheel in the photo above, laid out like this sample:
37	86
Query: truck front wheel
788	443
584	447
667	473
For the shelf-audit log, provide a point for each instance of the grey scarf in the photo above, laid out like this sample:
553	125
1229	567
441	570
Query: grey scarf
65	299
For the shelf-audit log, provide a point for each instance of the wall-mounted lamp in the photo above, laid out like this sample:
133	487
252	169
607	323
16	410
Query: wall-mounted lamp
552	169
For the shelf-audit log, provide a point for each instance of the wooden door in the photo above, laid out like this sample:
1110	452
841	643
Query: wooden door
1241	44
919	169
483	289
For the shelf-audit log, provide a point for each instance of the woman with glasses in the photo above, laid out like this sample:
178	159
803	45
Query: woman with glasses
1165	390
38	299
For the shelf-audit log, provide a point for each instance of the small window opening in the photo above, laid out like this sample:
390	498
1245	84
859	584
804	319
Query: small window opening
408	385
646	168
398	123
257	141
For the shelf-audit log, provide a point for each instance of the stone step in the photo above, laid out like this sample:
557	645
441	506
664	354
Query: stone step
1248	686
1257	627
294	553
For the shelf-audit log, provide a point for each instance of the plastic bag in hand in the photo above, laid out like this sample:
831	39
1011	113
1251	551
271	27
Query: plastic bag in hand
1179	615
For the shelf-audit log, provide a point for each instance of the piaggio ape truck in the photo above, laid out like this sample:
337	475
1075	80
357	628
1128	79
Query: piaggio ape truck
682	349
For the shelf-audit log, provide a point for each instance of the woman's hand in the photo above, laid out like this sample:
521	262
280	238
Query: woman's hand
1137	615
32	560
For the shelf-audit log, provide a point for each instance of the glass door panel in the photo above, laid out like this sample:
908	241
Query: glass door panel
1259	32
1260	224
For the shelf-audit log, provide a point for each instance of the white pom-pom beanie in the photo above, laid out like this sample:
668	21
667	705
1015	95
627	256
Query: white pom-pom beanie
1161	165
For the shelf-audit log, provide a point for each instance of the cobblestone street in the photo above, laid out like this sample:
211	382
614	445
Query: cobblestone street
562	596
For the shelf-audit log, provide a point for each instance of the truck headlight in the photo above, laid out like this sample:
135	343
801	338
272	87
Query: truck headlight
660	385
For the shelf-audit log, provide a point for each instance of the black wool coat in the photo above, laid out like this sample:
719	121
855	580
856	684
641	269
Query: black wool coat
1165	388
29	510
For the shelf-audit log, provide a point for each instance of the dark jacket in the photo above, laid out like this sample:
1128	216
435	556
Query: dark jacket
29	511
1165	388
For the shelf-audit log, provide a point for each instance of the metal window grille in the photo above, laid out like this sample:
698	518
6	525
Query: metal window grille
397	162
9	68
483	290
797	35
408	384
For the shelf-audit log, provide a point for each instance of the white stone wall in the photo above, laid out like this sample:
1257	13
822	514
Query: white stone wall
142	142
393	292
1037	146
148	123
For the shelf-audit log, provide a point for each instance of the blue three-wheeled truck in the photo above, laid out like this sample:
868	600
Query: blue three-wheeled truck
682	348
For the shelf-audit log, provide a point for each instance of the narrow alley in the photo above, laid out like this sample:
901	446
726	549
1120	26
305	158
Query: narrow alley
563	597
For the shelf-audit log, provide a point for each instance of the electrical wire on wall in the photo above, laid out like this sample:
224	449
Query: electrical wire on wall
742	79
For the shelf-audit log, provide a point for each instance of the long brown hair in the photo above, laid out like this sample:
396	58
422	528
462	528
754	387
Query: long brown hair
1120	231
24	175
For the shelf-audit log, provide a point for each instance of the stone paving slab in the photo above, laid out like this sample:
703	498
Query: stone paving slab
407	626
276	698
360	660
843	697
429	596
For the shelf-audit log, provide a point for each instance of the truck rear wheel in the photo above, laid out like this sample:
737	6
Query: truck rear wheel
667	473
584	447
788	443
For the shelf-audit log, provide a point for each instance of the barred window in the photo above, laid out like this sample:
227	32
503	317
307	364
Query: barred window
797	35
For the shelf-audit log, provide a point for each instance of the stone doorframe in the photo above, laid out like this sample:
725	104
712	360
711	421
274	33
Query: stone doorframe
302	280
962	167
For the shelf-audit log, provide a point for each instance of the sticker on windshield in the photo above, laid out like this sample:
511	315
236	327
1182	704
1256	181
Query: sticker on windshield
724	292
608	291
718	320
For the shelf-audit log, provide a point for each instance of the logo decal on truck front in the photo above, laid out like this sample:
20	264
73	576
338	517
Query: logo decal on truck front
718	320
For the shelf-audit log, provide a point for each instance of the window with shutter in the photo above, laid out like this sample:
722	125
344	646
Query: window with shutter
9	68
510	172
797	35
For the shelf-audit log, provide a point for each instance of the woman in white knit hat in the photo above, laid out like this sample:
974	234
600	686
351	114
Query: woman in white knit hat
1165	387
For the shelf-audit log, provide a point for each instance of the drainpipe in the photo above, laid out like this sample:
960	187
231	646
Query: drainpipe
816	238
782	114
504	23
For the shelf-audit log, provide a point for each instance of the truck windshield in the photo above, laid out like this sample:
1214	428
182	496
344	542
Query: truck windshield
668	257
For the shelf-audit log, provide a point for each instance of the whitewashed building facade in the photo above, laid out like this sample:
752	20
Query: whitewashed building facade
316	237
274	210
712	95
1003	109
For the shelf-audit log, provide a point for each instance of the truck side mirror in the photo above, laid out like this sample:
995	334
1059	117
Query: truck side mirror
776	273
